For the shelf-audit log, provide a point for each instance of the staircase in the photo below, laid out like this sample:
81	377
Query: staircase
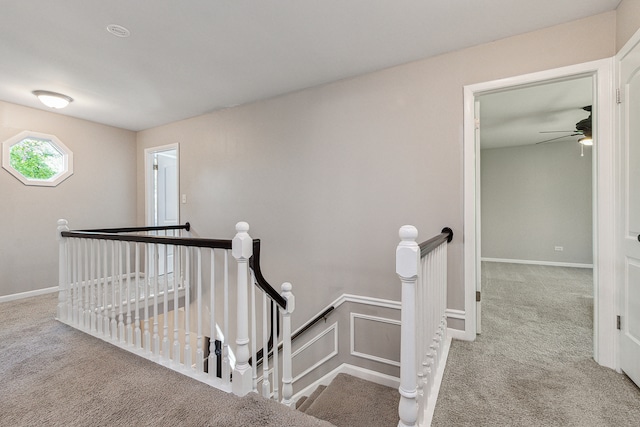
353	402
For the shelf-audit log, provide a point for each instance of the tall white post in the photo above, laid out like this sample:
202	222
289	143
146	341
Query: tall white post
407	261
287	376
242	249
63	282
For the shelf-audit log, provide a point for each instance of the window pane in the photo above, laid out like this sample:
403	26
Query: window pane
36	158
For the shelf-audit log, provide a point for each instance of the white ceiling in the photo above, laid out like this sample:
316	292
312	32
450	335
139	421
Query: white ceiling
186	58
518	116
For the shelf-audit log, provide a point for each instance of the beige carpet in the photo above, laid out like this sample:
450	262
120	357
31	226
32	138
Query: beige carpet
533	365
352	402
53	375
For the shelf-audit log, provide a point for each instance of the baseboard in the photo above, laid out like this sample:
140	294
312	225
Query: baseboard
28	294
457	334
433	399
355	371
549	263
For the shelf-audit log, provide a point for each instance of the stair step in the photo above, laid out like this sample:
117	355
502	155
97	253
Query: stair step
352	402
309	400
300	402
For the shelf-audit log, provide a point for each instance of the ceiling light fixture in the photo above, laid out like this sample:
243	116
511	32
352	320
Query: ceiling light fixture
52	99
586	140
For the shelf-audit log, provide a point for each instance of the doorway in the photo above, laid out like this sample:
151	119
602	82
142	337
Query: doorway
162	172
603	197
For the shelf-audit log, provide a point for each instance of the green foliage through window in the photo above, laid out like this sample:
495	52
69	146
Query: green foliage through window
36	158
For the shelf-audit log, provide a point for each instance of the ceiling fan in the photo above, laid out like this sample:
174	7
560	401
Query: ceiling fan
583	128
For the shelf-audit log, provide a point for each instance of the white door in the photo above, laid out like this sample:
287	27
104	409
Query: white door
162	189
629	69
167	207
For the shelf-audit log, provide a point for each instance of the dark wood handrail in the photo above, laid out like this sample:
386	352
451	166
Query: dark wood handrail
185	226
434	242
254	263
161	240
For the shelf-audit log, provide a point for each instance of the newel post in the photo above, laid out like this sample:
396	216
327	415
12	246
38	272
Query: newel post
63	283
242	249
407	261
287	375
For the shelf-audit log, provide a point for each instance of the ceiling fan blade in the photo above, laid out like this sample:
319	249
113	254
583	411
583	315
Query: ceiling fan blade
557	131
560	137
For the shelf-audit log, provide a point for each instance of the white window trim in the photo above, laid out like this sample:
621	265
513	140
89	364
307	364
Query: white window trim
67	158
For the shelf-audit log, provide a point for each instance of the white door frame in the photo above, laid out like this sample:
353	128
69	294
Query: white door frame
604	329
148	178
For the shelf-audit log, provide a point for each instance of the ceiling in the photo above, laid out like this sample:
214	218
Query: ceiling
518	116
188	58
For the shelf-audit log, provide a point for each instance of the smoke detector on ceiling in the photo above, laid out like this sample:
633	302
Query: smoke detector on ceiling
118	30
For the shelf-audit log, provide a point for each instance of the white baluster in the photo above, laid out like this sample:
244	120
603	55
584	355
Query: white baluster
92	284
114	322
213	362
226	362
165	324
176	311
83	276
147	285
407	260
242	249
100	302
137	332
287	376
129	325
156	337
266	385
121	332
105	290
187	304
77	295
254	326
63	274
276	363
70	260
80	284
87	314
199	351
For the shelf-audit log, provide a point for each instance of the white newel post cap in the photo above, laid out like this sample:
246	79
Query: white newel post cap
63	225
286	294
408	252
242	244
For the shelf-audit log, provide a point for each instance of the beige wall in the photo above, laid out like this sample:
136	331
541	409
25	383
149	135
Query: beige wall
627	21
101	192
326	176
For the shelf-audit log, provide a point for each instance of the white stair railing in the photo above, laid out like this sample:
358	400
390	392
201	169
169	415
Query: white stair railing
422	269
157	293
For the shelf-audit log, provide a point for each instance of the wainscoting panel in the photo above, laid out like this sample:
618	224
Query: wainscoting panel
324	345
377	332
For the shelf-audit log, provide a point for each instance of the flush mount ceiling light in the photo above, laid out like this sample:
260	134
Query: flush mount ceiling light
52	99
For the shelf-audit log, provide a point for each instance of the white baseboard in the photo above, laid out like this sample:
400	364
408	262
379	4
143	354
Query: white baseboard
355	371
433	398
549	263
21	295
457	334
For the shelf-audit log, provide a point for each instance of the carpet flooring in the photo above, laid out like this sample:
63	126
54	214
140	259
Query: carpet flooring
54	375
353	402
532	365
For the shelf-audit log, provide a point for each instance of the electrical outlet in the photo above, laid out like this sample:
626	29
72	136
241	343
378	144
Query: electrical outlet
184	198
558	248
